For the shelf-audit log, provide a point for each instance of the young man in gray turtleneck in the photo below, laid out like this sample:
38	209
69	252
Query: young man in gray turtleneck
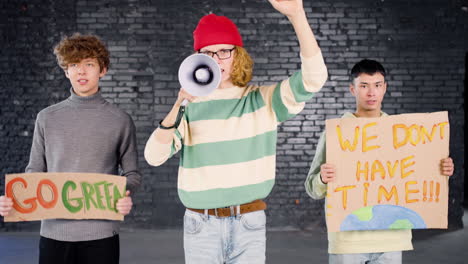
83	133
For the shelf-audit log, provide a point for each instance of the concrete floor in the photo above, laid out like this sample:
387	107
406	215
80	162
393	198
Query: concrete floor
291	247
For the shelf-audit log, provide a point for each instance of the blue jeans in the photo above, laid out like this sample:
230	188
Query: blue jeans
393	257
236	239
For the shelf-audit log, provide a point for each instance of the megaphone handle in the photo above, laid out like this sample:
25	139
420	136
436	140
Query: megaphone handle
184	102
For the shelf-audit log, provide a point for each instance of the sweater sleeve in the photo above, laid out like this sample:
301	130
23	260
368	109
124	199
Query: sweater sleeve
314	186
287	98
128	157
37	158
157	153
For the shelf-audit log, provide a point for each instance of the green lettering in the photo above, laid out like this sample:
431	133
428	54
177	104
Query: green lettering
66	200
88	192
98	195
110	204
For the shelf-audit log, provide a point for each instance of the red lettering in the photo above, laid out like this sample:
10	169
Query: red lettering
16	205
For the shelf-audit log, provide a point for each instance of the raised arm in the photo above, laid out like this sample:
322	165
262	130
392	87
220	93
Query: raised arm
294	10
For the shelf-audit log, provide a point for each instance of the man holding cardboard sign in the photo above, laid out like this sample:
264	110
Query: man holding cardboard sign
376	179
85	134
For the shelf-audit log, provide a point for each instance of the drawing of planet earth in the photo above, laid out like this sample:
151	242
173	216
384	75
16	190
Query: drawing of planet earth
382	217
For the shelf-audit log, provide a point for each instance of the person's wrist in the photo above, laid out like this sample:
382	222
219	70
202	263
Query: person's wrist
165	125
297	16
322	179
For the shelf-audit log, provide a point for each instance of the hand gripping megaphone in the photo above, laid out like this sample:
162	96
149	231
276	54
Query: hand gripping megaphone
199	75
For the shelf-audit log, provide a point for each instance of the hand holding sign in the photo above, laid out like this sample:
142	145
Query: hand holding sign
447	167
6	204
327	173
124	205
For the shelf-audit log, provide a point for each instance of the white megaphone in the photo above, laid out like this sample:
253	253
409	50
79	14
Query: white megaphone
199	75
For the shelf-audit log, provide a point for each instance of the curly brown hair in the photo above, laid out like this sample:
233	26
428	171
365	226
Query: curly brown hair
78	47
242	67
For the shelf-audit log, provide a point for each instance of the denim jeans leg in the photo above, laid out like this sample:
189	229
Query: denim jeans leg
358	258
393	257
248	239
202	239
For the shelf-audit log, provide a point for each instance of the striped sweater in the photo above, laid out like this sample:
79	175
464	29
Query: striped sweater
228	138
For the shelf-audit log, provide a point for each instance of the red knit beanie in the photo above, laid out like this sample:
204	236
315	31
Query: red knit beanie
213	29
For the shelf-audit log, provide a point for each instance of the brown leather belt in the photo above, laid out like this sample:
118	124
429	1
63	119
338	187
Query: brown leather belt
232	210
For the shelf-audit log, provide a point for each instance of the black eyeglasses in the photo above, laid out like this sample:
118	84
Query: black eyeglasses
222	54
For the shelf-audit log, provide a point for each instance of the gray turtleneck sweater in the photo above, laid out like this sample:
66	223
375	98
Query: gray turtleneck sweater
84	134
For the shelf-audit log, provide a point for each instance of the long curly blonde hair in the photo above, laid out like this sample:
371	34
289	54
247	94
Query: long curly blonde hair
242	67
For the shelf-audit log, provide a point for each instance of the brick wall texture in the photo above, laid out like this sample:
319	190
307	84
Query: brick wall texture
422	44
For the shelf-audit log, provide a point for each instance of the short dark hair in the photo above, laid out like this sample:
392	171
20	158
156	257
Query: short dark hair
367	66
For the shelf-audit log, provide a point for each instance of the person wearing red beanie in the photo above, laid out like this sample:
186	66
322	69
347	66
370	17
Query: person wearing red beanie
213	29
228	140
219	33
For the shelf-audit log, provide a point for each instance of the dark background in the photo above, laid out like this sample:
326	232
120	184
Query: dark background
422	44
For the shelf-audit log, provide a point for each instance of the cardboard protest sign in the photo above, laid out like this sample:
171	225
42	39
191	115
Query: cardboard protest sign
388	172
38	196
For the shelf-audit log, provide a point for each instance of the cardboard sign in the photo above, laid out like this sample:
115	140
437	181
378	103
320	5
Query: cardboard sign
388	172
38	196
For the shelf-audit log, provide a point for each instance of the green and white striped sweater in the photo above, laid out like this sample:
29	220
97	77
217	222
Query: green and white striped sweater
228	138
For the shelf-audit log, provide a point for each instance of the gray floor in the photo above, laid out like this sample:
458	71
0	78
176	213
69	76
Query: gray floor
291	247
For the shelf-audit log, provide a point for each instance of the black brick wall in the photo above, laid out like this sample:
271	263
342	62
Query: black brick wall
422	44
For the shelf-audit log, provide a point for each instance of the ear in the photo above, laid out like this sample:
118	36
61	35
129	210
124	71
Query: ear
66	73
103	72
352	89
385	87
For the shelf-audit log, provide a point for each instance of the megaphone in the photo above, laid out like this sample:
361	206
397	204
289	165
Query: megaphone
199	75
